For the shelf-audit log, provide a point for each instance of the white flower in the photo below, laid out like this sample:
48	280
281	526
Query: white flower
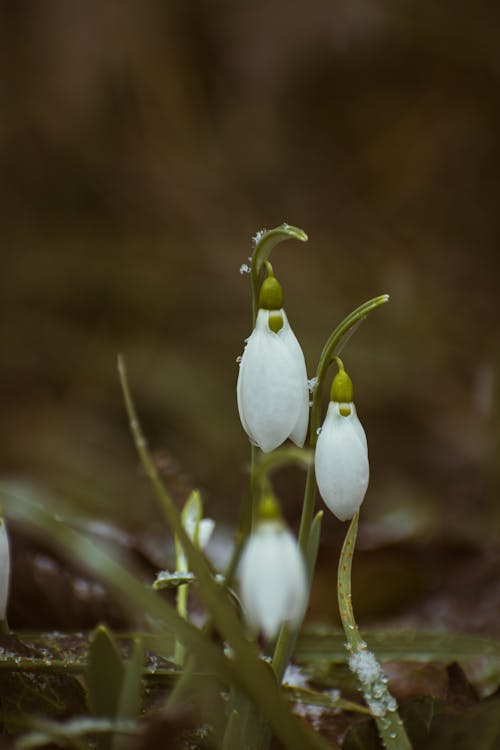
198	529
273	396
4	569
273	582
341	460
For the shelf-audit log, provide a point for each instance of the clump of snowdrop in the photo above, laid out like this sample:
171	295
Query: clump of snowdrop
341	459
273	581
272	390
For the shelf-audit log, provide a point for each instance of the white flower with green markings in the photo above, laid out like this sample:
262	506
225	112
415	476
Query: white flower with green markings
273	581
341	458
273	396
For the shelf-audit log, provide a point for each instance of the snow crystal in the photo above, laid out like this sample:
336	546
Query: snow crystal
244	268
294	677
374	682
313	713
365	666
312	383
257	238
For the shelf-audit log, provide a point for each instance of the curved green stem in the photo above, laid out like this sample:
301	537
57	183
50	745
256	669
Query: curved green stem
363	662
333	346
264	242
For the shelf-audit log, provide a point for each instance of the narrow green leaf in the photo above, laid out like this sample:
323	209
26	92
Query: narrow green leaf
129	706
130	699
105	673
104	678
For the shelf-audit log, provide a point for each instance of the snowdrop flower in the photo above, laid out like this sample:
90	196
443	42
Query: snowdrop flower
273	582
4	569
341	459
199	529
273	397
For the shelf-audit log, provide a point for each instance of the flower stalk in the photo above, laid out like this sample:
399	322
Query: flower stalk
363	662
333	347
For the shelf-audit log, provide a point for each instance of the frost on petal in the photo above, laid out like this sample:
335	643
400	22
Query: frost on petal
272	579
271	385
341	463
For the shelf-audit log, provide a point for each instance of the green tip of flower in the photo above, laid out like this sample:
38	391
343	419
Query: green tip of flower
269	509
342	389
271	294
275	321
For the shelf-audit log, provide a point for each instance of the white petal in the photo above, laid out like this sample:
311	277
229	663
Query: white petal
205	530
4	569
299	432
341	462
356	424
271	384
273	579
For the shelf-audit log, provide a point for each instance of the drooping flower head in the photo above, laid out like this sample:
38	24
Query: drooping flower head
273	398
273	581
341	458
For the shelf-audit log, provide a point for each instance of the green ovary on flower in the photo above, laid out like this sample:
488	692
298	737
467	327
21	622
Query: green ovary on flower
271	294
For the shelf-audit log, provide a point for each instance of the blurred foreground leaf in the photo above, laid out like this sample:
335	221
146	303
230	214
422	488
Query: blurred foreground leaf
104	675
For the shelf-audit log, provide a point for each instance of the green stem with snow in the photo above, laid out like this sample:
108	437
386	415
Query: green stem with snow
363	662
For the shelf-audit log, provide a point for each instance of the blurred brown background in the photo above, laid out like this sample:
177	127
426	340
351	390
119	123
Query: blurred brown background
143	144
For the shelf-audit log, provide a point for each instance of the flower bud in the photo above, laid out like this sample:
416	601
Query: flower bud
273	581
341	458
